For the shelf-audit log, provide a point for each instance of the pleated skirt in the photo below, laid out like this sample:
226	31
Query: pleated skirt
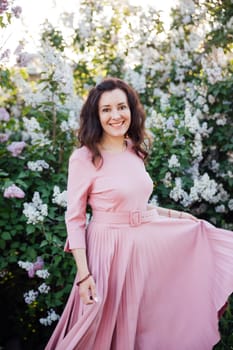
160	286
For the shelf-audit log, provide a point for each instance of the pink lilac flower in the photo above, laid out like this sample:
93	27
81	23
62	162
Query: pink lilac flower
4	137
39	264
16	148
3	6
13	191
31	272
4	115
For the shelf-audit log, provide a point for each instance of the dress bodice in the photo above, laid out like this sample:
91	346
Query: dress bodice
120	184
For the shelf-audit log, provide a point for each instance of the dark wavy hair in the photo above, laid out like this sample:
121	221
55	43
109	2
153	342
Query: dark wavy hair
90	131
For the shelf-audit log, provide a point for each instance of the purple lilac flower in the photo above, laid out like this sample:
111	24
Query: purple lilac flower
17	10
3	6
4	115
31	272
16	148
39	264
13	191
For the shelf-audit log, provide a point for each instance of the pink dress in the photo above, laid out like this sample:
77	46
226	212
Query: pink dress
160	281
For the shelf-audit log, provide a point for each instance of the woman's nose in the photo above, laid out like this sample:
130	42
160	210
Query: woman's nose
115	114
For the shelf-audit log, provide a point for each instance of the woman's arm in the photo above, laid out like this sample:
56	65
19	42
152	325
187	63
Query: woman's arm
80	174
171	213
87	290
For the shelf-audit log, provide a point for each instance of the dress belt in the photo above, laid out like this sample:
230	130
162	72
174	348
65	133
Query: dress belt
133	218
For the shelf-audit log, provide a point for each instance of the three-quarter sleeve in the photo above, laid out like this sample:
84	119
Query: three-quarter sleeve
78	186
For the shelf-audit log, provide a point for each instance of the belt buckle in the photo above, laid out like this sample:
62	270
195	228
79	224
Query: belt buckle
135	218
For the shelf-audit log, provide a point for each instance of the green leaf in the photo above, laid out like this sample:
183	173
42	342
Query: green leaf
6	236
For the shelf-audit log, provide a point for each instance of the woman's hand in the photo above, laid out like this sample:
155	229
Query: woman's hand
87	291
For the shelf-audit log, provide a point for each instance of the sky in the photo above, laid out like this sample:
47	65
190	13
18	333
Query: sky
35	12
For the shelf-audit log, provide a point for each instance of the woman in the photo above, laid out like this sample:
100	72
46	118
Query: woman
148	278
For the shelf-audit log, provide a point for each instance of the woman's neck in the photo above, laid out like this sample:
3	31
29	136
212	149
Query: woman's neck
113	144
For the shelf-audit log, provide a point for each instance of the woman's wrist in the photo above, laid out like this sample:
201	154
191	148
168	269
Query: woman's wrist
85	278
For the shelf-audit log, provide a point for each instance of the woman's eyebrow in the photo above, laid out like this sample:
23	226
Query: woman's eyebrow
120	103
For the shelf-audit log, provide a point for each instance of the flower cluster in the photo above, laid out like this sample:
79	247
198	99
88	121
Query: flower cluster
36	210
30	296
35	269
4	115
4	137
3	6
173	162
16	148
34	132
60	198
52	317
30	267
13	191
71	124
203	188
38	165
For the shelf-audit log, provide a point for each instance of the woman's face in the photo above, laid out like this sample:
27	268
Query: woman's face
114	113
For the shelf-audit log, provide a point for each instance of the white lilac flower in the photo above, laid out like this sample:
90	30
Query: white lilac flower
167	179
211	99
230	204
30	296
43	273
164	102
52	317
191	121
214	166
221	121
71	123
38	165
3	273
26	265
173	162
155	120
220	208
137	80
88	218
206	188
59	198
36	210
154	201
177	193
197	147
222	193
170	123
44	288
34	132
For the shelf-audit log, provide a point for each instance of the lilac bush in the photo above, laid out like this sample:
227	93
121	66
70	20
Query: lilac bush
184	79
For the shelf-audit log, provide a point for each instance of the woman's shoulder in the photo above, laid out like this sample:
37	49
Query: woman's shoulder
81	153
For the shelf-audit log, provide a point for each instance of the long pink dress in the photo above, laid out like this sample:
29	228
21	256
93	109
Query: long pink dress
160	281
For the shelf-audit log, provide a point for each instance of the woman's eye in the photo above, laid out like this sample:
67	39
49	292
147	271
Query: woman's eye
105	110
123	107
